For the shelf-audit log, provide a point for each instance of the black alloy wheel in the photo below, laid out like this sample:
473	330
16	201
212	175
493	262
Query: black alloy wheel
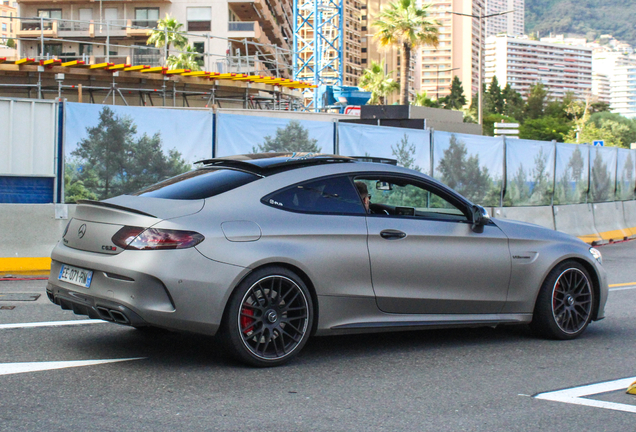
565	304
269	317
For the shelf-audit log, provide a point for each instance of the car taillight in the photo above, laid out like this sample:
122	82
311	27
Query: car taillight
137	238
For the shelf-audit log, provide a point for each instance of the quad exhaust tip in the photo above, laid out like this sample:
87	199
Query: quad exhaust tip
112	315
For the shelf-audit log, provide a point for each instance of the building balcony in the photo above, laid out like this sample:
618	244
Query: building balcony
33	28
258	10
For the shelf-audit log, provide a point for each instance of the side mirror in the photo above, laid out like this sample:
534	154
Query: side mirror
480	218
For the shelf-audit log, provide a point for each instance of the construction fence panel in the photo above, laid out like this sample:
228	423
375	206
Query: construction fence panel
625	175
572	174
529	173
244	133
28	145
602	174
113	150
472	165
410	147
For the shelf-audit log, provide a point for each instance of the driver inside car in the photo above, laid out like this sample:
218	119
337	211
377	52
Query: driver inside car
364	195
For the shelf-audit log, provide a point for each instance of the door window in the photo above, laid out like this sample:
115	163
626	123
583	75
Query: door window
402	197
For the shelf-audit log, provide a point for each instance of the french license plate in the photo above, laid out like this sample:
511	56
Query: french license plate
75	275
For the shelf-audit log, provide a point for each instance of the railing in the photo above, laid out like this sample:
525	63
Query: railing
33	24
38	32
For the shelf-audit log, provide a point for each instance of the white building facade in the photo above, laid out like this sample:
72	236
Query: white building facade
521	63
510	23
623	91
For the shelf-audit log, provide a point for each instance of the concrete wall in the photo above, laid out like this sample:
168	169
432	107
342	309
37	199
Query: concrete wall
537	215
29	233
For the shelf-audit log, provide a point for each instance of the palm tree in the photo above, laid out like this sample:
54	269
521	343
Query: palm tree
379	83
404	25
185	60
167	29
422	99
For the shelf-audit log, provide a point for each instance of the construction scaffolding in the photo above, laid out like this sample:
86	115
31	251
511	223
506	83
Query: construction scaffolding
249	75
318	45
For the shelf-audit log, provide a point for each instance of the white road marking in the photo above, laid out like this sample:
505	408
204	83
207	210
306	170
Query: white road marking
575	395
50	324
623	288
16	368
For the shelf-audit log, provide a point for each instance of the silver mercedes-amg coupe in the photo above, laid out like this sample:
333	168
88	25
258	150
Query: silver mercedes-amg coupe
267	249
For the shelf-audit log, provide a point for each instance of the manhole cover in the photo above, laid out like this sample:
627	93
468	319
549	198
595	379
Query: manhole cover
19	297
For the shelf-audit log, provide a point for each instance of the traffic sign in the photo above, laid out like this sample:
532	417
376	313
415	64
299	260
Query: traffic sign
599	143
506	125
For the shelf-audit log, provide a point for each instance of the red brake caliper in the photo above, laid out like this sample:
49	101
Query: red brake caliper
246	322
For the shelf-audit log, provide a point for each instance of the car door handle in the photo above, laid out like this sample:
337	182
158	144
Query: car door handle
392	234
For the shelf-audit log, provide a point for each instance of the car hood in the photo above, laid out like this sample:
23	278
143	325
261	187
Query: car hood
517	230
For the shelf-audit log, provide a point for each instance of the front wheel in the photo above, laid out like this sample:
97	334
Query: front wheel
565	303
269	317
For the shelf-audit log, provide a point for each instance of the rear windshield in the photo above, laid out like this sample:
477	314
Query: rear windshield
198	184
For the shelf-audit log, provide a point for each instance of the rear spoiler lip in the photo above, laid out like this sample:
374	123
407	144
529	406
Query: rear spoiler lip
113	206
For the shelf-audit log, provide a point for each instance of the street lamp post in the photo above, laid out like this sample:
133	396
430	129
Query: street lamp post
481	19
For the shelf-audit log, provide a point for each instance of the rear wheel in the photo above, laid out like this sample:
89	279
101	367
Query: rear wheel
565	303
269	317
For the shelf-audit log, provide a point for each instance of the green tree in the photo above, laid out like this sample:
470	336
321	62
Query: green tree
421	99
404	153
489	121
513	103
406	26
456	99
169	32
493	100
544	129
378	82
11	43
536	101
75	189
624	184
600	181
571	187
464	174
112	161
292	138
187	59
626	136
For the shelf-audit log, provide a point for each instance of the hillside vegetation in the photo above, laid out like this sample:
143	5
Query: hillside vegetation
589	18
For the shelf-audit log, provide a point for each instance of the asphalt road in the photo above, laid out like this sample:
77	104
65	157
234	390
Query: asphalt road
450	380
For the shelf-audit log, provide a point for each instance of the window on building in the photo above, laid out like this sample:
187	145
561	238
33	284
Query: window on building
4	27
200	48
199	18
146	17
50	13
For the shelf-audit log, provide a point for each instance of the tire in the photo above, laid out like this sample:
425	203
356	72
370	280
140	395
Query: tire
565	303
269	318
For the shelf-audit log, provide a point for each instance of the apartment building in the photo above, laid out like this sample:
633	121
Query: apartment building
510	23
623	91
521	63
227	31
601	90
8	12
460	39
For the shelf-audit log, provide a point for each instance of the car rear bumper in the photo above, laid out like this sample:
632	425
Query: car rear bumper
173	289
